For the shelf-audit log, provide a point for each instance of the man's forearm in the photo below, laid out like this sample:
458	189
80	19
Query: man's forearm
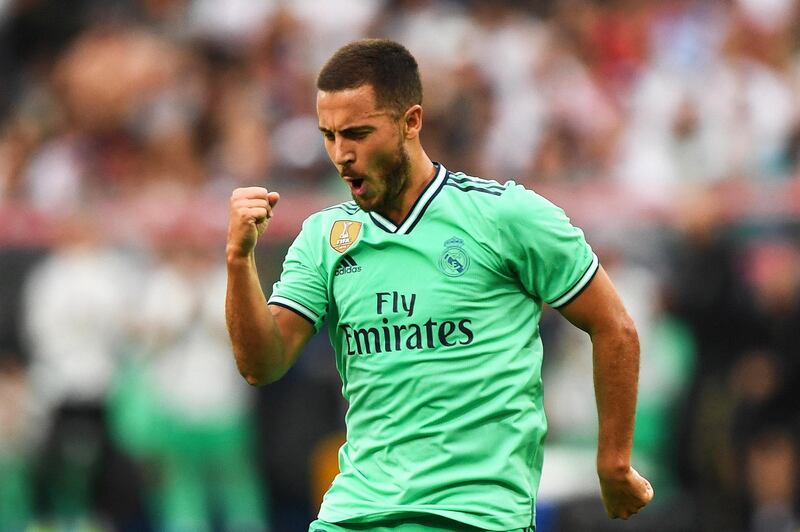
257	343
616	374
599	311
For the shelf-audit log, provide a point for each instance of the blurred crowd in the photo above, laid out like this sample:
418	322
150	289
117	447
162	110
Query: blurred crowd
668	129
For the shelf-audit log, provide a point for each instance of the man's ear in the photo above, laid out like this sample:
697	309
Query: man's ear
412	121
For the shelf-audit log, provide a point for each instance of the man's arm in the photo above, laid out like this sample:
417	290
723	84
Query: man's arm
599	311
266	339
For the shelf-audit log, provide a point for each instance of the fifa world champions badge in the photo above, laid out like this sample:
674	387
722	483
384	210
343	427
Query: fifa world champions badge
344	233
454	261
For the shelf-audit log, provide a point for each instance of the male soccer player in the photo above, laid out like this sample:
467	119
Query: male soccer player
432	283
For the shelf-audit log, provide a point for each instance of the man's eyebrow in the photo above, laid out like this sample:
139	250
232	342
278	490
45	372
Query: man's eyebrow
350	129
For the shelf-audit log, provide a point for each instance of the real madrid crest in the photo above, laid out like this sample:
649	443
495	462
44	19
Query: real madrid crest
344	233
454	261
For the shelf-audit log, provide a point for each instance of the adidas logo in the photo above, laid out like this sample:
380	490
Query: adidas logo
348	265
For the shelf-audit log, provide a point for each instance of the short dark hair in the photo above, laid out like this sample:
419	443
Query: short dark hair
387	66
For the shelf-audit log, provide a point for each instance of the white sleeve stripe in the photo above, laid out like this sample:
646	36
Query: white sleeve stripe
294	305
580	285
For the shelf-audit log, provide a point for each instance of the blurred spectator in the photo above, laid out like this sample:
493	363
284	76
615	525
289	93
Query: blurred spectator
77	305
706	292
197	430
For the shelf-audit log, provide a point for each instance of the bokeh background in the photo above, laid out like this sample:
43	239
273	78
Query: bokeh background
668	129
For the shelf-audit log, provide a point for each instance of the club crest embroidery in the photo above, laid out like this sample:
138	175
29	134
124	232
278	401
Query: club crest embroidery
454	261
344	233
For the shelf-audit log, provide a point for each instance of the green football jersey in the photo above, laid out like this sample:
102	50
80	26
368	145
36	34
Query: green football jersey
435	327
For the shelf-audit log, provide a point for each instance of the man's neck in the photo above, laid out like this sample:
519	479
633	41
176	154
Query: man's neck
421	174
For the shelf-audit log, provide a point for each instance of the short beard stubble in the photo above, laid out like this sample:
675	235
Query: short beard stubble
395	178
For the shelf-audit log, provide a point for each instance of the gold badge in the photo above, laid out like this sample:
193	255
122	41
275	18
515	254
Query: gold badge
343	234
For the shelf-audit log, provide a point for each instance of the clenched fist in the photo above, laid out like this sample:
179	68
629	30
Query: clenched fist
625	494
251	210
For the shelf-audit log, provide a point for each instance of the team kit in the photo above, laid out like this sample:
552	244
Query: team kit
444	390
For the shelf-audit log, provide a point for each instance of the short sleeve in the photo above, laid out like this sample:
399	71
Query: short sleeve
302	287
548	254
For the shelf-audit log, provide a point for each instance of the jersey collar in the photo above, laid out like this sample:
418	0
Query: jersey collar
418	209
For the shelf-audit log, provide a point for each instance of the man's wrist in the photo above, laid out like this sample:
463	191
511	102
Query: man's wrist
234	257
613	465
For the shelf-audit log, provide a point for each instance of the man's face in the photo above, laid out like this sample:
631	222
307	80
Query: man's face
366	145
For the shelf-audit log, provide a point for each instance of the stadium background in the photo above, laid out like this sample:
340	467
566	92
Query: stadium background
669	130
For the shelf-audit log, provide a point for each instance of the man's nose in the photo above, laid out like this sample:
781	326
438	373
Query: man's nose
343	152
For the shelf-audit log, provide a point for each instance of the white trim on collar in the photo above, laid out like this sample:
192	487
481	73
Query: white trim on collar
419	207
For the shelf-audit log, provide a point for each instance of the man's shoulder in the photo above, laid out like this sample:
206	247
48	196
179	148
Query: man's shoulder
507	202
487	193
476	187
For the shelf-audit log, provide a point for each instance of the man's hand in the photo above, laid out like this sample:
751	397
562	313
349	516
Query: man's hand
624	492
251	210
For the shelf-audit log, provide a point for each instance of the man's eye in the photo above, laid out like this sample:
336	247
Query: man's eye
328	136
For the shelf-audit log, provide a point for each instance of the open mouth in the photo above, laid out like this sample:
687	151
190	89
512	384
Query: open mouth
356	185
